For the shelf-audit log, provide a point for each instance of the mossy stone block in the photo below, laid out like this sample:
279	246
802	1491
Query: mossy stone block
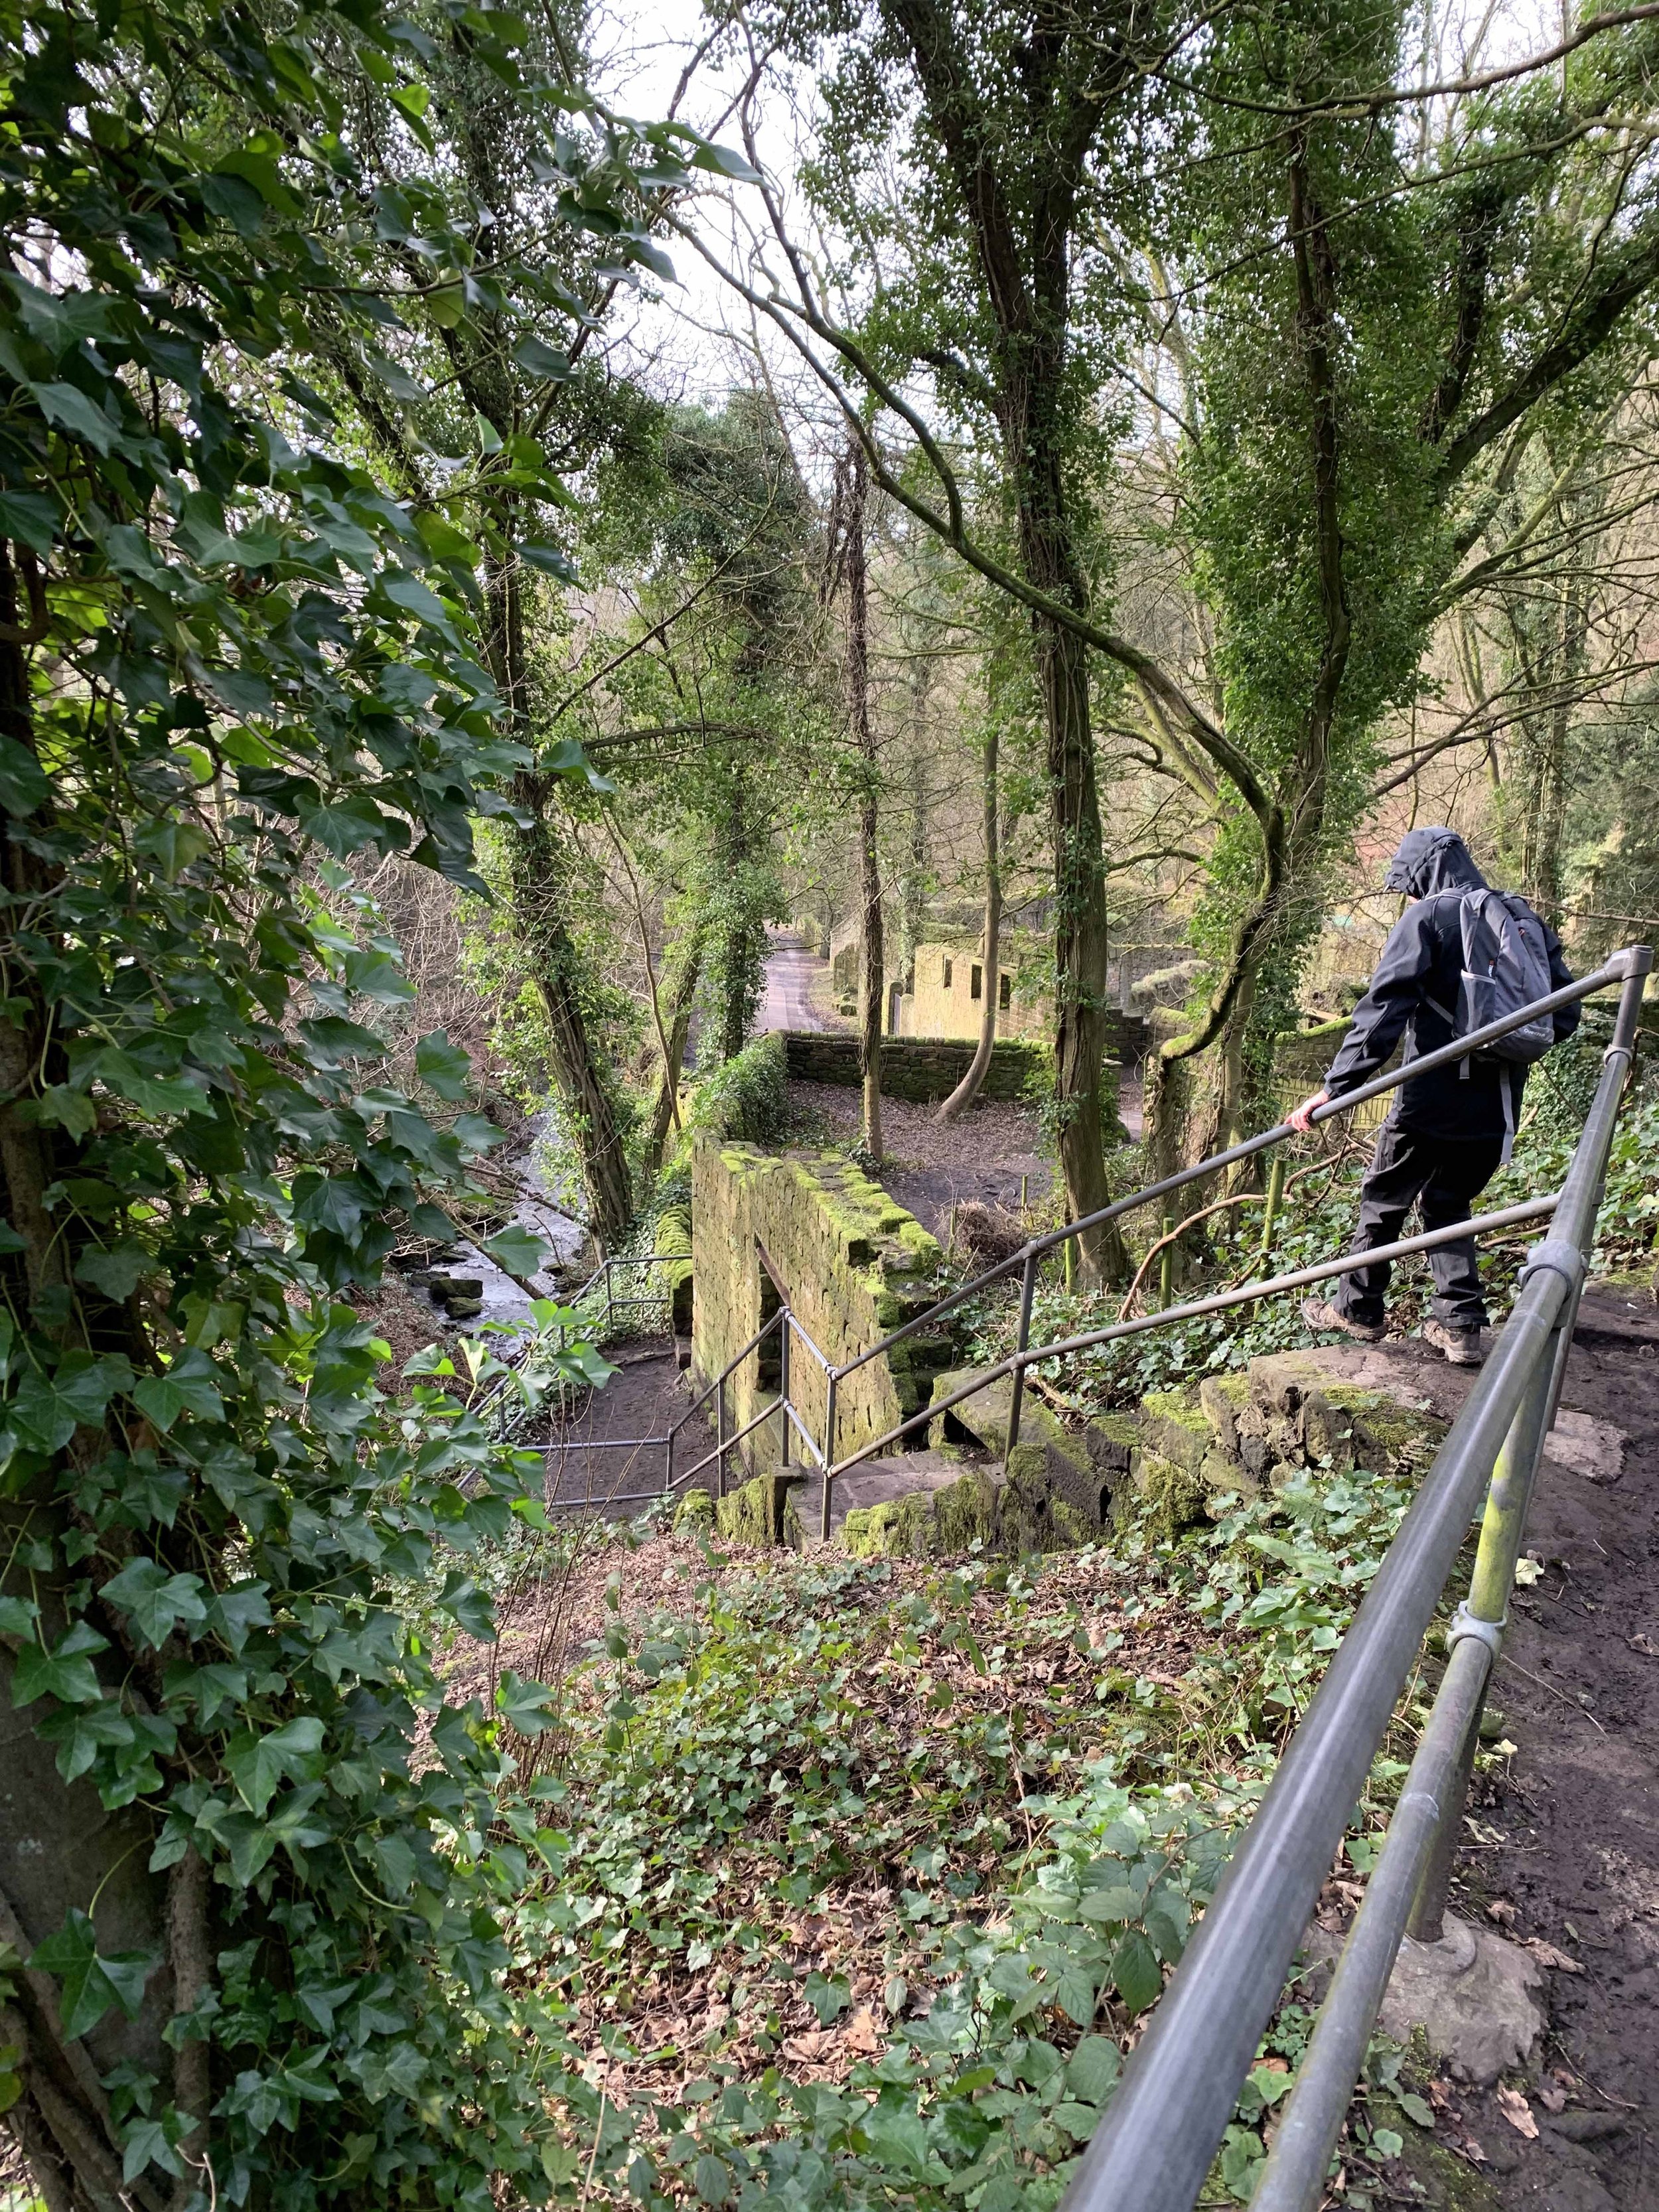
1175	1428
755	1514
1169	1499
1222	1399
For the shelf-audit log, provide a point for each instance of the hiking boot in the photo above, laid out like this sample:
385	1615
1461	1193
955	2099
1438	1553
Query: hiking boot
1463	1346
1324	1317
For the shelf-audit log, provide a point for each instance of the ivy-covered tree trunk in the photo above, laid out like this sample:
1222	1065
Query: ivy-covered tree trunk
990	938
58	1845
536	868
873	955
681	999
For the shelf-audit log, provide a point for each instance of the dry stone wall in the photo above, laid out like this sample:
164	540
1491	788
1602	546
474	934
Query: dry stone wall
925	1068
854	1266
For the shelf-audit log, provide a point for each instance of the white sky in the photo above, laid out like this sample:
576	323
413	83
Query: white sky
688	343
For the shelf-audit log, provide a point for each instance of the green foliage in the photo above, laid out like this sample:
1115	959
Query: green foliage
746	1098
230	661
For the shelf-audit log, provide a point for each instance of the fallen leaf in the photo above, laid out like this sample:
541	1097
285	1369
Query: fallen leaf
1644	1644
1271	2066
860	2032
1518	2112
1552	2101
1547	1955
809	2047
1473	2150
1526	1572
1502	1912
1439	2094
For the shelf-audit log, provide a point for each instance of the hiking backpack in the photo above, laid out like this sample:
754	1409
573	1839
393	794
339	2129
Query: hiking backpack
1506	966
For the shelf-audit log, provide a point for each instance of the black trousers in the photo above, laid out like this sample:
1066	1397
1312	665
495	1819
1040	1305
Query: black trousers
1442	1176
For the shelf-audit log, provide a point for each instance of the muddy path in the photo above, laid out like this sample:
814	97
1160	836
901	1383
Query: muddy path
1563	1849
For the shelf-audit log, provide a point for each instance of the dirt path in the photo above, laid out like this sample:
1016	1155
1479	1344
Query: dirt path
787	1003
600	1454
1566	1849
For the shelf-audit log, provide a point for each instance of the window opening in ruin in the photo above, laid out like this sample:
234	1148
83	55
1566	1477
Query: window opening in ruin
977	982
1005	993
947	974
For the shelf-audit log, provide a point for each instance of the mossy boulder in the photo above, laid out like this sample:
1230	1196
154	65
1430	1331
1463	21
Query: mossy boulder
1169	1498
1222	1399
1082	1469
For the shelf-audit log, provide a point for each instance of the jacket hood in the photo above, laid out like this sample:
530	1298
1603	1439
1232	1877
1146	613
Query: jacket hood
1429	860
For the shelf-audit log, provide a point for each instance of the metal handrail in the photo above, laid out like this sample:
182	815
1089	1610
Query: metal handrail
1035	1248
1167	2119
1480	1224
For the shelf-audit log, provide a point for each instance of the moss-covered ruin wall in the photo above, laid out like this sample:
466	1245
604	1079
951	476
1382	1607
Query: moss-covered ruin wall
853	1264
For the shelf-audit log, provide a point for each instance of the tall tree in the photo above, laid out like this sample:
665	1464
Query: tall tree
1371	349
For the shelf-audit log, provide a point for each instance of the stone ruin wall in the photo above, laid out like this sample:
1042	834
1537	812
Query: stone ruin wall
855	1265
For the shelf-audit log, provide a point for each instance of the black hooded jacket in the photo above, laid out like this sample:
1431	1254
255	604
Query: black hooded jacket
1423	960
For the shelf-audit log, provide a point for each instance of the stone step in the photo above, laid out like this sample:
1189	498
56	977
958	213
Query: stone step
875	1482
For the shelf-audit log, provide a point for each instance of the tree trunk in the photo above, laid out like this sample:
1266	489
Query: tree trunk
1080	945
969	1089
664	1110
555	966
872	959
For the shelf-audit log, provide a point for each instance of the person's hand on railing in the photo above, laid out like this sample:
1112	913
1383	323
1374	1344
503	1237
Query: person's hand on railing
1302	1119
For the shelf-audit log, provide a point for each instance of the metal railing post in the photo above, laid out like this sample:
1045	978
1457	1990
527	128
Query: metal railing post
720	1437
783	1387
1293	2179
1487	1607
1017	1391
1171	2111
833	1394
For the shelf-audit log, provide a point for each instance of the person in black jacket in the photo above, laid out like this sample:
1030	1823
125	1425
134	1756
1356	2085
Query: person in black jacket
1444	1138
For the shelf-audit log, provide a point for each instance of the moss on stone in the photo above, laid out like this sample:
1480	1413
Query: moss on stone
754	1514
870	1532
695	1514
1222	1399
1174	1427
1169	1498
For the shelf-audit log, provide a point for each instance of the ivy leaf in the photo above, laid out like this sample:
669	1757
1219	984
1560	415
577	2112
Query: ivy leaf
71	1109
188	1386
155	1601
828	1996
442	1066
31	519
116	1270
18	1616
66	1672
146	2143
465	1603
68	408
518	1250
23	784
48	1409
523	1706
91	1984
258	1762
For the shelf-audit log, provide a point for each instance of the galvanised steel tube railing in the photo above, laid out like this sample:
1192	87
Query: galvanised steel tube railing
1611	972
1301	1278
1154	2149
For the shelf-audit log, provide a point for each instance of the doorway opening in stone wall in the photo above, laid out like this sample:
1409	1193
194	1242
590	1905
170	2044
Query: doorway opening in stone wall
772	1299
